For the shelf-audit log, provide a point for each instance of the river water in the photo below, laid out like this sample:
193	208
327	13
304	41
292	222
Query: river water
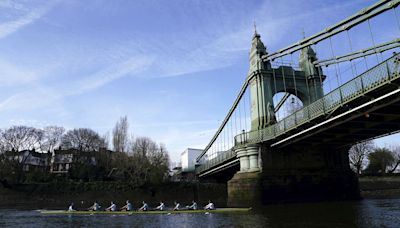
365	213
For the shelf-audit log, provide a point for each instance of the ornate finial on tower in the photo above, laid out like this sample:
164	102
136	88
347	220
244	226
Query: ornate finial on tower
257	50
255	31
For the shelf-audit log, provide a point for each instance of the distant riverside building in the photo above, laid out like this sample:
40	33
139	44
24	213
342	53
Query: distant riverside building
185	171
188	159
58	162
63	160
31	160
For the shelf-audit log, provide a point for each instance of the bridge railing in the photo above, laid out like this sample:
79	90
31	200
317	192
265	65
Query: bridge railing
371	79
220	158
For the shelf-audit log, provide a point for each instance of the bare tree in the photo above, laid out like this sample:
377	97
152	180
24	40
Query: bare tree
21	138
84	139
2	145
120	135
142	146
106	137
159	161
358	153
51	138
149	162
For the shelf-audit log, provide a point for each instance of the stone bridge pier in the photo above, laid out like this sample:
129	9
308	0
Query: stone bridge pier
248	157
291	174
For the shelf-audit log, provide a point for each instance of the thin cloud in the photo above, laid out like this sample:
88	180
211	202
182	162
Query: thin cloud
177	140
10	27
37	97
230	45
43	96
132	66
10	4
175	123
13	74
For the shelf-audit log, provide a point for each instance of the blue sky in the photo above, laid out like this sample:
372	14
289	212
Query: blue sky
173	67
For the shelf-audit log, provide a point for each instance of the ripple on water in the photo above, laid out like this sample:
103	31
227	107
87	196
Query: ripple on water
366	213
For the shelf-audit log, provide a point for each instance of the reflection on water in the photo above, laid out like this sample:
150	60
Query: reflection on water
366	213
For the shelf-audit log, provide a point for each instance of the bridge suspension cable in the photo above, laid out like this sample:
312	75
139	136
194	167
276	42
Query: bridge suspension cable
363	15
373	41
397	17
351	50
236	128
360	54
294	75
281	102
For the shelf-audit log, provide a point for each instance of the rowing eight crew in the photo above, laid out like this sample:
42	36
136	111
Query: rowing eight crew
145	207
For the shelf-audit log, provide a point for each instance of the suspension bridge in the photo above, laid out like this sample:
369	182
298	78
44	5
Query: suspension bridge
286	136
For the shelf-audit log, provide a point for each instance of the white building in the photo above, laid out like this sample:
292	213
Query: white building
188	159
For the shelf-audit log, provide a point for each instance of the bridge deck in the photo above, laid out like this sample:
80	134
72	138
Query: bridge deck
364	108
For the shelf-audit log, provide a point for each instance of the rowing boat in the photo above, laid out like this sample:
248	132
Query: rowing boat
218	210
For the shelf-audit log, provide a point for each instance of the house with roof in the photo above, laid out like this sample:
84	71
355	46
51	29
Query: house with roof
30	159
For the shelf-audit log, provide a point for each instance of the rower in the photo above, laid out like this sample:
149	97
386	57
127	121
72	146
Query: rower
177	205
161	206
209	206
145	207
71	207
127	207
193	206
94	207
112	207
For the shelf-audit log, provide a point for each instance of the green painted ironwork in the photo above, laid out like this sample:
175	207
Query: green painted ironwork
377	76
372	79
382	74
346	24
222	157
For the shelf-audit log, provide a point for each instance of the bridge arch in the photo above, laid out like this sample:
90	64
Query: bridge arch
286	103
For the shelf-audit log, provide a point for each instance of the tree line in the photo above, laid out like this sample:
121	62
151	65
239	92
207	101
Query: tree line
135	160
368	159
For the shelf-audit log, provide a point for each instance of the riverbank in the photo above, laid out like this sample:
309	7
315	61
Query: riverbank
53	195
380	187
59	194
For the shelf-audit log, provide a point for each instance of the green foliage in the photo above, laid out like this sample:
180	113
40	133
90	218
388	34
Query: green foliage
11	170
87	172
38	177
147	163
379	161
